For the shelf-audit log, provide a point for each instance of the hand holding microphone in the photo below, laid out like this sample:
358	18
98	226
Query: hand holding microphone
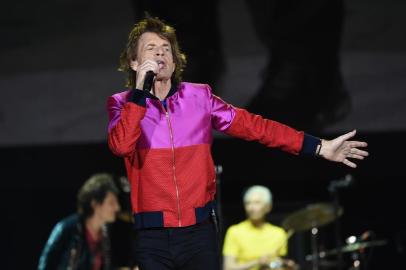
146	73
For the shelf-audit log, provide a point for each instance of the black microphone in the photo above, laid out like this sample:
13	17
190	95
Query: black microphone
341	183
148	80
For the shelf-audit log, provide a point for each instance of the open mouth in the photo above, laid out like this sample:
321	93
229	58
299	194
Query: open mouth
161	64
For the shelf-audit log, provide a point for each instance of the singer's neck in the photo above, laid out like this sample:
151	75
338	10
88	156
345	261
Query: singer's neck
162	88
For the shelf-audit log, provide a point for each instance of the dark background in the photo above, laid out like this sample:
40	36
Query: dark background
58	66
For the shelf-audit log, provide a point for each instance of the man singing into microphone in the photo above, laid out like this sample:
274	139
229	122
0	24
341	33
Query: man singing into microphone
164	135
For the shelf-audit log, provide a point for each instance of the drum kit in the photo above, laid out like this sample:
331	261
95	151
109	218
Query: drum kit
311	218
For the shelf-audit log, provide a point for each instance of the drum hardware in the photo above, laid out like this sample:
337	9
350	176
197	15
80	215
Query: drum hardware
355	248
282	264
312	217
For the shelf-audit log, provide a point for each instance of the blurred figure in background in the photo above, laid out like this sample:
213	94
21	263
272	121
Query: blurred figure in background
255	243
302	83
81	241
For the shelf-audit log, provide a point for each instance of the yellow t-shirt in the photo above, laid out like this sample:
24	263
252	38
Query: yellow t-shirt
246	242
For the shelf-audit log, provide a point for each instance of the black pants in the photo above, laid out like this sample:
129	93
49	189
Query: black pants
194	247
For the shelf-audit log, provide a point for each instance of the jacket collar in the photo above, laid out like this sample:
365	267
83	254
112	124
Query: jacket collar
172	91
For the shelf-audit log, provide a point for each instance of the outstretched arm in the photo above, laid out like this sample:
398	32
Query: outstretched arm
242	124
341	149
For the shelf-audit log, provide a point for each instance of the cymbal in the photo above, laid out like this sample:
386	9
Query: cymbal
349	248
357	246
312	216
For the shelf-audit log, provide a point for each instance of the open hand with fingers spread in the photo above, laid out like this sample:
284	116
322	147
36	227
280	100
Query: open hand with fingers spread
341	149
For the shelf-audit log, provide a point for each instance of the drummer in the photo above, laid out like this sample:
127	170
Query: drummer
254	243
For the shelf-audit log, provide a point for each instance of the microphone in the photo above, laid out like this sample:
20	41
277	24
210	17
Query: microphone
148	80
341	183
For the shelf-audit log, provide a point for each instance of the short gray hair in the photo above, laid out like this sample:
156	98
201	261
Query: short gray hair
264	191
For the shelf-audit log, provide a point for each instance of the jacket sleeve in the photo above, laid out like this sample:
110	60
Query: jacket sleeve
52	255
124	123
242	124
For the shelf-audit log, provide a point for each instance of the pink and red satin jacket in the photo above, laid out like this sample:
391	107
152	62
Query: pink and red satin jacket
167	149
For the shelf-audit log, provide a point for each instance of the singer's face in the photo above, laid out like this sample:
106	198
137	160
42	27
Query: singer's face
152	47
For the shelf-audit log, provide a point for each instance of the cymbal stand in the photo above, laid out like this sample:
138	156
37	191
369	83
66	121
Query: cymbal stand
356	262
336	204
315	251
